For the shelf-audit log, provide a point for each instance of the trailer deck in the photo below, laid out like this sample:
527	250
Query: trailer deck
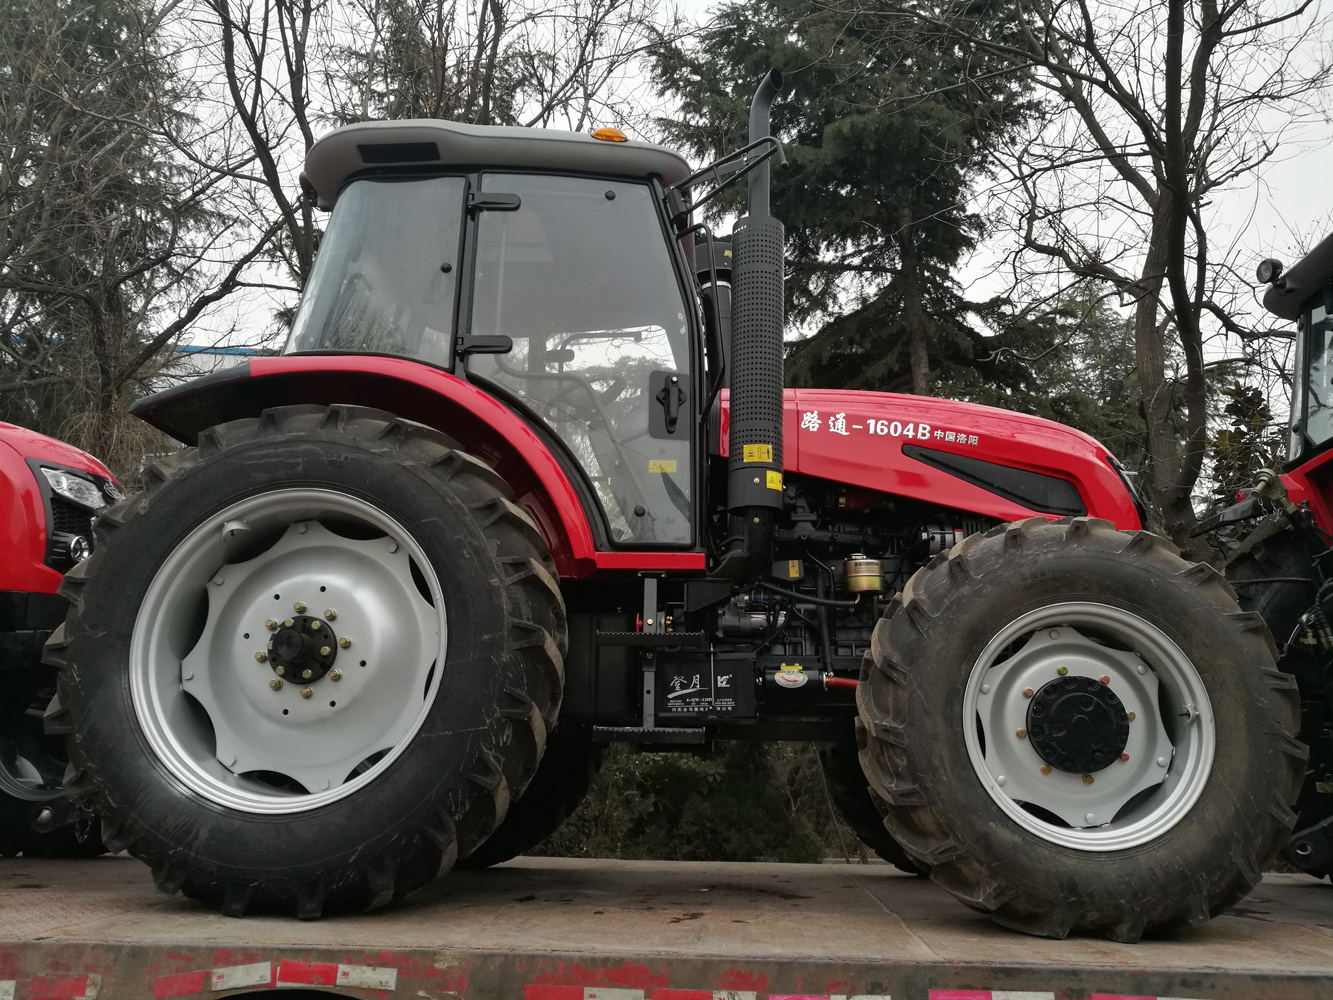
562	929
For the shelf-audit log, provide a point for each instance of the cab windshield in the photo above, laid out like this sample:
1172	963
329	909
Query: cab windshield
1312	408
383	282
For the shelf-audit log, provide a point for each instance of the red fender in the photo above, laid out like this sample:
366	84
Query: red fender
488	429
1312	483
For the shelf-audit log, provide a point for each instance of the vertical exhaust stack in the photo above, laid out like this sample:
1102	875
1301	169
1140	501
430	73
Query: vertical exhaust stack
754	464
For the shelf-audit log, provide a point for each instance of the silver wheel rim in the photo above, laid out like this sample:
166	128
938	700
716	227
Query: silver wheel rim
1168	754
21	778
209	698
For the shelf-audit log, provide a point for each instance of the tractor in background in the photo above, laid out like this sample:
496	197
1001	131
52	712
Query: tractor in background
49	494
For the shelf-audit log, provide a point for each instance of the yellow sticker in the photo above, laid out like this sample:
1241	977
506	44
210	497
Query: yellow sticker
793	569
774	480
662	465
757	453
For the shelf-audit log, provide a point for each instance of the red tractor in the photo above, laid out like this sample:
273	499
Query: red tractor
1282	569
493	509
49	494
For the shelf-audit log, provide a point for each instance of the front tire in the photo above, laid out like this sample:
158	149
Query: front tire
310	666
1074	729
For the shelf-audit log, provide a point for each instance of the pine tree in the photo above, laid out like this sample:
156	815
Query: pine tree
885	139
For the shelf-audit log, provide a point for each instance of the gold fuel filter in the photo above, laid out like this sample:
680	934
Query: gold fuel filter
860	574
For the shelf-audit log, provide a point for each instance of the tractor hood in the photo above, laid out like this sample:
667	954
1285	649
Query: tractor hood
976	459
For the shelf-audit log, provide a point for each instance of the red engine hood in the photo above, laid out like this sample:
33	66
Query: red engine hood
858	438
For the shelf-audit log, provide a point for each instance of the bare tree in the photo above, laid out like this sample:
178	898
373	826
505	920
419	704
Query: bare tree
111	248
1155	107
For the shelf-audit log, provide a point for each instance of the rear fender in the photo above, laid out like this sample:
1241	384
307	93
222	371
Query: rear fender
483	425
1312	483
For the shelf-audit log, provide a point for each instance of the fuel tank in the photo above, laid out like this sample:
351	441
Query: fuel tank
977	459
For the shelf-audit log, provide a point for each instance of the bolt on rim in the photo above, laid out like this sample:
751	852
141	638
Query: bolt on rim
202	677
1132	755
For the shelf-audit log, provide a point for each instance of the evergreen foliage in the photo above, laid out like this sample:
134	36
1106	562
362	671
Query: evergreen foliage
97	235
887	130
743	802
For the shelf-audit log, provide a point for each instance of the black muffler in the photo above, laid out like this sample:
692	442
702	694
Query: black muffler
754	463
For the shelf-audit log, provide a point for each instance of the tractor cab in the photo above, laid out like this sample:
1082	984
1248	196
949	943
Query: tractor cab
537	263
1305	294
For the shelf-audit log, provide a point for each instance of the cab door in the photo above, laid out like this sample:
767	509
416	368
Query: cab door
575	272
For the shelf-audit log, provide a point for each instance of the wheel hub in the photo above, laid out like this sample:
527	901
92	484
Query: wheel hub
303	649
1077	724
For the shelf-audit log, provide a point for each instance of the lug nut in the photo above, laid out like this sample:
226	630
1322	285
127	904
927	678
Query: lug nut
1088	779
1124	757
271	624
288	623
335	674
261	656
330	614
1046	769
299	607
1129	716
280	671
1022	734
306	692
324	651
275	684
1105	678
314	625
1027	692
1062	670
345	642
44	817
307	674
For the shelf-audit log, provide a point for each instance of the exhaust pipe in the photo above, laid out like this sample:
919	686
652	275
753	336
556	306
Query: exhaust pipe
754	462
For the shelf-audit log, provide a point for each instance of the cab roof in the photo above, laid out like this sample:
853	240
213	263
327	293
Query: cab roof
1287	296
432	142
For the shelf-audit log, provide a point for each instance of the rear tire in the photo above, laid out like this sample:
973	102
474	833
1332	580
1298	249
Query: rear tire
196	723
1174	834
1283	554
560	784
855	803
38	817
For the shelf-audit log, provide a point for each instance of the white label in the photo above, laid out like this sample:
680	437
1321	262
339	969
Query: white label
367	977
597	993
235	976
6	989
1020	995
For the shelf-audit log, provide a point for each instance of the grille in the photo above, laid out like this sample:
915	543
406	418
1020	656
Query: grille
70	518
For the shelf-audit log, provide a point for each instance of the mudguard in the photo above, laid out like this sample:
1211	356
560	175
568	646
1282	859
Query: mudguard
485	426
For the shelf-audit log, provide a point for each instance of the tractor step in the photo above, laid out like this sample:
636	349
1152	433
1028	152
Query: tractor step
655	734
685	640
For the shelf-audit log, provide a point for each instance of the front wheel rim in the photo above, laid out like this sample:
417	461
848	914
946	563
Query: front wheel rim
273	731
1114	660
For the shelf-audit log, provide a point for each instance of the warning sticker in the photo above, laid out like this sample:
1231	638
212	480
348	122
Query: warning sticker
757	453
667	465
774	480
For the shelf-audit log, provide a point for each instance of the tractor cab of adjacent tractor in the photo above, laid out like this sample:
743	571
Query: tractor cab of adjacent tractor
1305	294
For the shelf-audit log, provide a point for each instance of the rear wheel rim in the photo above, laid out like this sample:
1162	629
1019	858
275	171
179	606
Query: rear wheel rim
230	718
1155	777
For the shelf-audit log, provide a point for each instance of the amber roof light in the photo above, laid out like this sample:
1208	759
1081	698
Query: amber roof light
610	135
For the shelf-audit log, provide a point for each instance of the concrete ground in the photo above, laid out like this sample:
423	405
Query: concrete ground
538	923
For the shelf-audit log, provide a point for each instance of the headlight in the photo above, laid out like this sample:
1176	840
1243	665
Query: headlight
72	488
